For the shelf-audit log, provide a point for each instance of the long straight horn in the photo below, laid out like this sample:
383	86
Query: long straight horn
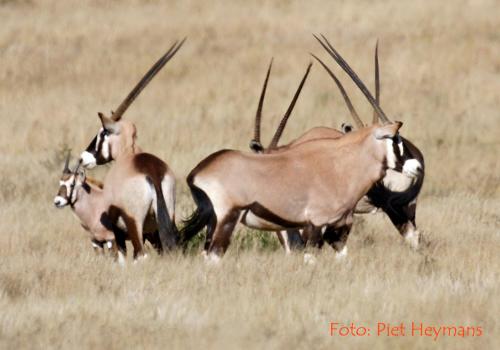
77	166
345	66
354	114
66	163
145	80
258	114
281	127
377	85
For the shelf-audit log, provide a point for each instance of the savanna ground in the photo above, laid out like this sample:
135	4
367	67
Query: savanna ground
63	61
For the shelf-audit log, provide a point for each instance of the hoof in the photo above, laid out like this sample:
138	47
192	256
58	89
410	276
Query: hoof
211	258
412	238
309	259
341	255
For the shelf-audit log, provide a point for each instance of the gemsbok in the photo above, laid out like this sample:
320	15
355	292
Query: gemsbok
315	184
85	197
137	181
396	194
293	236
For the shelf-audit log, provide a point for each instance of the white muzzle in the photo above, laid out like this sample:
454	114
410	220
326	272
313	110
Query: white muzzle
88	160
412	168
60	202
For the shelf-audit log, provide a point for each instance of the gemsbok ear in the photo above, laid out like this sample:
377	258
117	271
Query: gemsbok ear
109	124
387	131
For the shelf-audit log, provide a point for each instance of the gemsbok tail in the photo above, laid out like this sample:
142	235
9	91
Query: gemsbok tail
203	216
169	235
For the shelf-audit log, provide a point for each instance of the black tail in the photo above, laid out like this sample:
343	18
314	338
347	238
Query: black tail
202	216
169	235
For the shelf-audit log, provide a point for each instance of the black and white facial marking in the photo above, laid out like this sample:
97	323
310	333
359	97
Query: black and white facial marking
66	194
98	151
394	155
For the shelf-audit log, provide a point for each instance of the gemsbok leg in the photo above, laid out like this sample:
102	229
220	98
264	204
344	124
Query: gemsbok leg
337	239
222	234
403	218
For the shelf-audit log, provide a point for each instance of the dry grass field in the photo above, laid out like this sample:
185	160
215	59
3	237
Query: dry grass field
63	61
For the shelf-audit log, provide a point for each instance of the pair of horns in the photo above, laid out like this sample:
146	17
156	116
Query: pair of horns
378	112
116	115
281	127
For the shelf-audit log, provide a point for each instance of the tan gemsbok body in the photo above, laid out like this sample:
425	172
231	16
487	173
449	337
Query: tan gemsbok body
315	184
137	181
85	197
396	194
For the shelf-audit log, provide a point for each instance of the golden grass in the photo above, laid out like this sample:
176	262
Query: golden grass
64	61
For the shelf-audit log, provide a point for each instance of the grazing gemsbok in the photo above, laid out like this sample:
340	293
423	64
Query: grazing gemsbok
397	193
137	181
85	197
315	184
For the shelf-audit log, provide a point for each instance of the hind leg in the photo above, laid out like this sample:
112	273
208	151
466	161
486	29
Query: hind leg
154	240
222	234
212	223
168	189
134	229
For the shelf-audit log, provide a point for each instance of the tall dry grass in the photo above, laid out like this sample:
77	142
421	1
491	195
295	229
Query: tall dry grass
61	62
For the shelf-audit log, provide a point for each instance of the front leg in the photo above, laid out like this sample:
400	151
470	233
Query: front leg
337	239
116	237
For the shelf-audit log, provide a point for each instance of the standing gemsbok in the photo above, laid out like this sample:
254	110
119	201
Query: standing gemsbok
137	181
315	184
85	197
396	194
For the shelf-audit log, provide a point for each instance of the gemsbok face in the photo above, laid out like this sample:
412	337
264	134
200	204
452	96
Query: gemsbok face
69	183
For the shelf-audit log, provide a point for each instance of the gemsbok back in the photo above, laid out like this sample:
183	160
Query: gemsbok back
85	197
137	181
396	194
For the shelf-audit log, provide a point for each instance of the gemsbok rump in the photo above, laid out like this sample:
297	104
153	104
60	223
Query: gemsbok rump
396	194
316	184
85	197
137	181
